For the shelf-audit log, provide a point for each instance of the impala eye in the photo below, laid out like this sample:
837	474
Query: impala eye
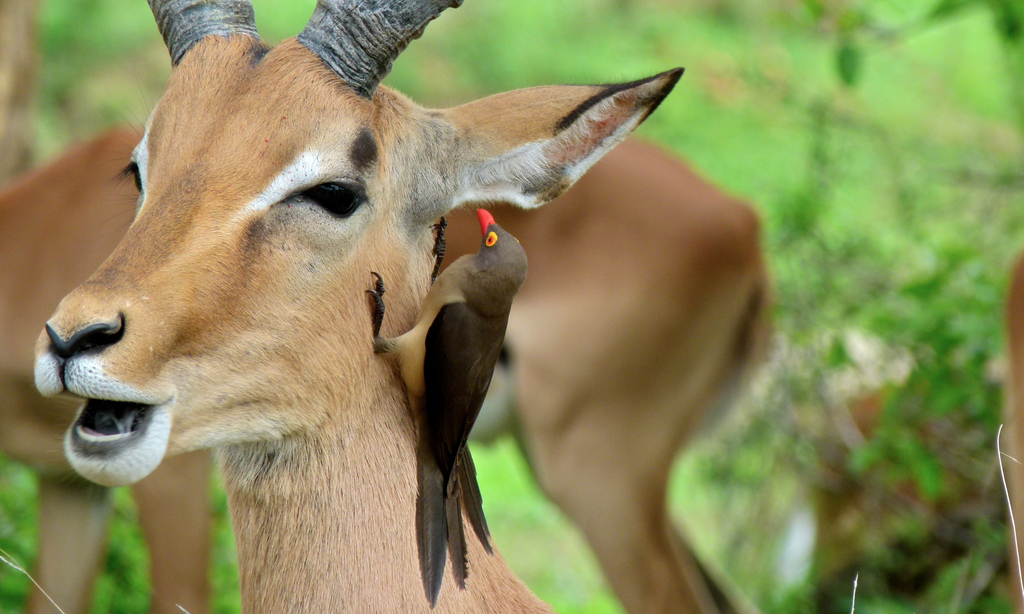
336	198
132	171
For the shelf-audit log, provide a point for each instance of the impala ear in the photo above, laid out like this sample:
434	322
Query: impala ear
528	146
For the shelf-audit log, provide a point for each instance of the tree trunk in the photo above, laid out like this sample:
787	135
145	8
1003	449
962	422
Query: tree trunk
17	78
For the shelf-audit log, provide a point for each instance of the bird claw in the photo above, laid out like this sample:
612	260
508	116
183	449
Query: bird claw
377	294
439	247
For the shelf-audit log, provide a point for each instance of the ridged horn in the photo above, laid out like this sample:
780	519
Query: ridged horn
183	23
360	39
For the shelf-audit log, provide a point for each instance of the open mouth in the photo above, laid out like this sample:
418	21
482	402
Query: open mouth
115	443
103	421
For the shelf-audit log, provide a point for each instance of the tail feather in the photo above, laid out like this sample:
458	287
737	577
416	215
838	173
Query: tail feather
431	524
456	535
472	500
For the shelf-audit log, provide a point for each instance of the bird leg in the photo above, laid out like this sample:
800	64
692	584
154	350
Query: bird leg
439	247
377	294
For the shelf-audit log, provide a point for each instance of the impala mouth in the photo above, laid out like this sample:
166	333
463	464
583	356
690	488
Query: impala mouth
103	421
115	443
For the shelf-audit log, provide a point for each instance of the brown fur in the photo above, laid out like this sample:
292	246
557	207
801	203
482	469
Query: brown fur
56	226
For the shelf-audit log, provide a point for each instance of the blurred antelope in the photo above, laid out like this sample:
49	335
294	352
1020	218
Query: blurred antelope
644	309
233	315
56	225
1013	415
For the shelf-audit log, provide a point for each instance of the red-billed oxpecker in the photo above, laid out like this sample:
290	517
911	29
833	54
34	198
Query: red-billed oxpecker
446	361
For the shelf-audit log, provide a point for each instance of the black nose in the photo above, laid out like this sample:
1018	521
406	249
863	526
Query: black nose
92	336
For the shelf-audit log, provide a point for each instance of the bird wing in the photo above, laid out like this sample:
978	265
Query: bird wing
473	500
462	348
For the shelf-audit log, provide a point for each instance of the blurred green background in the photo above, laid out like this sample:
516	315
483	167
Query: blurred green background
882	142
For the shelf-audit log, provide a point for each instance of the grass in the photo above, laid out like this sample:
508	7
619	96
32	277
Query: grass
889	207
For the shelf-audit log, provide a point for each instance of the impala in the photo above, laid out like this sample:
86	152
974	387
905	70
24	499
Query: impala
1013	415
233	313
56	225
76	198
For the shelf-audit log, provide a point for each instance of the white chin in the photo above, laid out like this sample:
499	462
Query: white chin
119	460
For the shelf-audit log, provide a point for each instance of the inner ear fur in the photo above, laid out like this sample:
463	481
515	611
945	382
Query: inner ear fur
528	146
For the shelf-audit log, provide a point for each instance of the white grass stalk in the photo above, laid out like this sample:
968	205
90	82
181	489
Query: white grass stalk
9	560
1009	508
853	602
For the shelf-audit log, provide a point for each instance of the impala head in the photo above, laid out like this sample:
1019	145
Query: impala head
272	182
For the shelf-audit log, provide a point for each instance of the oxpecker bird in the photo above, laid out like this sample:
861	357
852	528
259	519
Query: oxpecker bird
447	360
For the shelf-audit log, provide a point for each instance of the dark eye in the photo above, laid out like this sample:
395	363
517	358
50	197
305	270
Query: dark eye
338	199
132	171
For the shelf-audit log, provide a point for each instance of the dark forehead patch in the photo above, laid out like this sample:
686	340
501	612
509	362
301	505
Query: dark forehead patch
257	52
364	150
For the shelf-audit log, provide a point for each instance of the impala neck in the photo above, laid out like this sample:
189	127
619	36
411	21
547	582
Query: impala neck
325	521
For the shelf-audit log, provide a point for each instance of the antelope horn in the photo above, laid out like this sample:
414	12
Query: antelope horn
359	39
183	23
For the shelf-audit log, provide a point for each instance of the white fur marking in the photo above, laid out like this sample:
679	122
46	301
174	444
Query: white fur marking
84	376
501	179
47	374
303	173
141	158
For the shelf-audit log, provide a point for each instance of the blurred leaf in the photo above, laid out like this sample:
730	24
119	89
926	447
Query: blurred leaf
837	354
926	470
815	7
848	60
1009	17
851	20
948	8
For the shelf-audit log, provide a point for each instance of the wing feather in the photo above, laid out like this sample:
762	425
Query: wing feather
471	498
462	348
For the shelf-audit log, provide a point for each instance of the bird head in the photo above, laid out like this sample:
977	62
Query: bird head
493	234
500	261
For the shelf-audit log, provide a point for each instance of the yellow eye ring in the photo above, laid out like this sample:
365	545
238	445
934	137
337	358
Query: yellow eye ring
492	238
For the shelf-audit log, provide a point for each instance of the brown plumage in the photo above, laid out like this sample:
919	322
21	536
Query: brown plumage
447	360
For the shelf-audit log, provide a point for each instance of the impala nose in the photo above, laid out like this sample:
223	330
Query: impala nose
97	335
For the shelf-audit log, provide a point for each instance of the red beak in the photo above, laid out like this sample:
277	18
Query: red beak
486	219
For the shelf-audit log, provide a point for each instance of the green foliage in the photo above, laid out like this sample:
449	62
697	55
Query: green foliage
1007	18
18	536
124	587
848	60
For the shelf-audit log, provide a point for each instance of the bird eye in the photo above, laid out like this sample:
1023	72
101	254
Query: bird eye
335	198
492	238
132	170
